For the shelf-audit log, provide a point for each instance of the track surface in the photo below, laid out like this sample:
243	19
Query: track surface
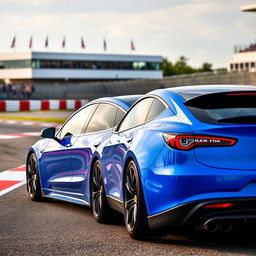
59	228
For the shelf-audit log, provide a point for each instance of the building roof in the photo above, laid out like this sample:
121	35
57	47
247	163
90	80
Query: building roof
78	56
248	8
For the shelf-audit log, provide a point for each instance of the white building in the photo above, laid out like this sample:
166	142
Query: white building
244	58
77	67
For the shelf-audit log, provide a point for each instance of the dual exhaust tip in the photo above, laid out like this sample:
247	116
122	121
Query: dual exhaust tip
213	226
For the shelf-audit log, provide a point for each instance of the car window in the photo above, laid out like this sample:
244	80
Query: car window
103	118
137	115
77	122
156	108
119	115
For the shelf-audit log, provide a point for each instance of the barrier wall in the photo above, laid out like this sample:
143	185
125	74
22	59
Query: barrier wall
30	105
92	90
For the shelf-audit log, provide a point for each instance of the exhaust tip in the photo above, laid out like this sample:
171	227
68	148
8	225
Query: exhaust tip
210	226
225	227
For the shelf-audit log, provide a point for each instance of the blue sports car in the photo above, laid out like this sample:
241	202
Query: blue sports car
180	156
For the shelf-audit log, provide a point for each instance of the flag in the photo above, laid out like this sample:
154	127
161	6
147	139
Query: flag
46	42
30	43
104	44
13	45
82	43
63	42
132	46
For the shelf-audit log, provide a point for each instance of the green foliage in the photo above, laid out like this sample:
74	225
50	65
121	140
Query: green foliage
181	67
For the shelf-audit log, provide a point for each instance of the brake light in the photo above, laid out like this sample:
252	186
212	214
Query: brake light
240	93
222	205
188	142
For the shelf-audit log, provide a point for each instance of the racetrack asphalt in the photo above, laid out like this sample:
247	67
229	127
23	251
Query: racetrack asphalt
60	228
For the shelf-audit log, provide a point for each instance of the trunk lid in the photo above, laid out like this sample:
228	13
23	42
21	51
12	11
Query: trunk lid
242	155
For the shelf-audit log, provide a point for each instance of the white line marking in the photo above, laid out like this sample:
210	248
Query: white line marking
13	175
19	135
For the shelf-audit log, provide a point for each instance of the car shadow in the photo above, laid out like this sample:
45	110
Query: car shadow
240	240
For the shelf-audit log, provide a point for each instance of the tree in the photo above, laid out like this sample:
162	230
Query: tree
206	67
167	67
181	67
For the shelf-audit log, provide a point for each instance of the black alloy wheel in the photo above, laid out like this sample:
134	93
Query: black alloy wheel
134	204
100	207
33	180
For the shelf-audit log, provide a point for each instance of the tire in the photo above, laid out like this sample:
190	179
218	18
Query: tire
100	208
33	179
135	214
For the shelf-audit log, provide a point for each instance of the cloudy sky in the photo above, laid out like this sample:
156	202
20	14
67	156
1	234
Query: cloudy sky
202	30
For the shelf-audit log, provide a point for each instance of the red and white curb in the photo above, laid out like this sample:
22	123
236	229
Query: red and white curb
19	135
32	105
12	179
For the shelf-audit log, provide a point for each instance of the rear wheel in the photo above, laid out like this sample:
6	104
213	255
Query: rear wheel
134	204
100	208
33	180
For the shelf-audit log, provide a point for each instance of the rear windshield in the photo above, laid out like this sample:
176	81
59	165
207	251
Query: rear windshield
225	108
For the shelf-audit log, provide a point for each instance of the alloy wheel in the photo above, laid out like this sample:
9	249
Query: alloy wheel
32	176
97	190
131	198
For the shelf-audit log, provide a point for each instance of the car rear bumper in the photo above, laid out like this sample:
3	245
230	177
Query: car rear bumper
195	214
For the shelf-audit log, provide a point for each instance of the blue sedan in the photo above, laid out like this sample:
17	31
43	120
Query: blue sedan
180	156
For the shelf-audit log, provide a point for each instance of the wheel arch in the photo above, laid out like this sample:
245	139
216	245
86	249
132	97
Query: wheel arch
93	161
129	157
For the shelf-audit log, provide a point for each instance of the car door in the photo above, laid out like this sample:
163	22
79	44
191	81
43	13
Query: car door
98	130
57	156
120	143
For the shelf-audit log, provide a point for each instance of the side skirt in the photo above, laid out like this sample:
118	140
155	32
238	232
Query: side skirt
115	204
66	196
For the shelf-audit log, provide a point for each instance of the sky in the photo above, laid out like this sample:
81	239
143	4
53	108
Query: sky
201	30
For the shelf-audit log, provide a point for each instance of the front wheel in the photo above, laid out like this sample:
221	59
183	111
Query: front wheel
135	213
33	180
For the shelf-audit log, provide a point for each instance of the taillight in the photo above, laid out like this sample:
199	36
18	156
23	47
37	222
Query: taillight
187	141
221	205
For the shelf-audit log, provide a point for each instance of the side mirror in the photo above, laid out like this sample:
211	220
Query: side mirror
48	133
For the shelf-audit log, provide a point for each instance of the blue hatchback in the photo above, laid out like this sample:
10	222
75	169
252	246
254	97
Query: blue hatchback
180	156
59	166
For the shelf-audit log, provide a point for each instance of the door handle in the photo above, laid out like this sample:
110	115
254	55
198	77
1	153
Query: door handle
129	139
96	144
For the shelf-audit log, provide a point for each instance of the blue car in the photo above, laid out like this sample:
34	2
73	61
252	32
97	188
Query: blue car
59	166
180	156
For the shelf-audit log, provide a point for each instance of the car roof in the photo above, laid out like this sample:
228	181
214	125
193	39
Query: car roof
123	101
190	92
